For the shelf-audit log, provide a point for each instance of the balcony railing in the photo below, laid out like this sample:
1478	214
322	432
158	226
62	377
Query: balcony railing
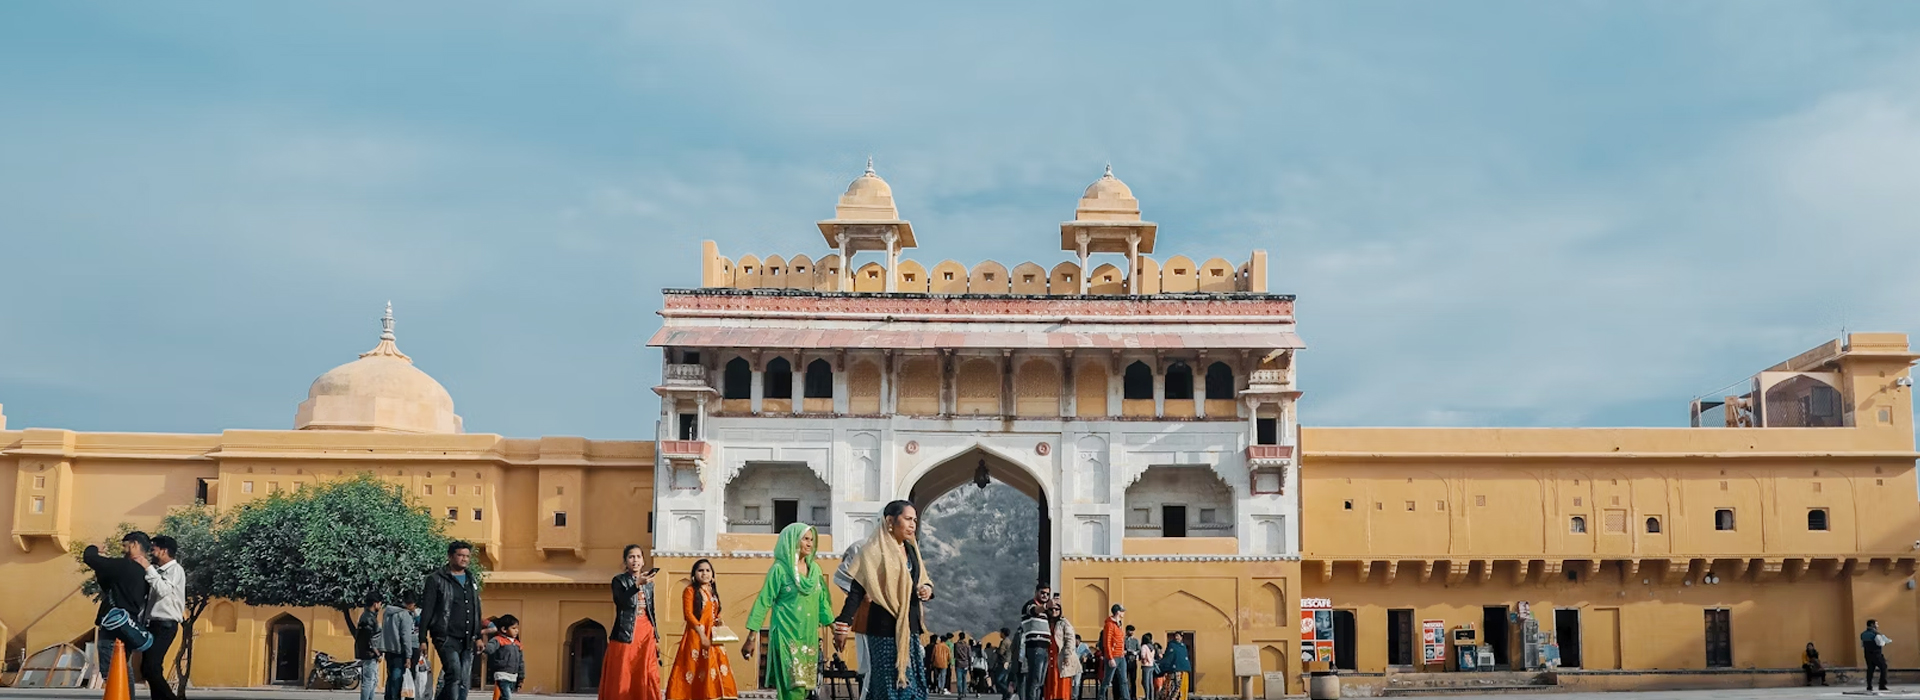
683	449
1268	377
679	374
1267	455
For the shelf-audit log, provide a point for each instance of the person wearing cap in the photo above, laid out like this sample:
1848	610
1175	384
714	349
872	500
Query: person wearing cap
1133	662
1113	656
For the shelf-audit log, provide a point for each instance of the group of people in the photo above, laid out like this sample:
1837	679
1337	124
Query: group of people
142	597
1872	648
1046	659
959	664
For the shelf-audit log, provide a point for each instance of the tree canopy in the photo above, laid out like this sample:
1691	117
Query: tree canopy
335	544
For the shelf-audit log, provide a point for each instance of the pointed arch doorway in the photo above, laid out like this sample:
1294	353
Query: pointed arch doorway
986	529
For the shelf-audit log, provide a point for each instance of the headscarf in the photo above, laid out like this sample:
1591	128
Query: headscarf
882	569
784	552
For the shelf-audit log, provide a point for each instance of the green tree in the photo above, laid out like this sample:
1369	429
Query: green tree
197	530
335	544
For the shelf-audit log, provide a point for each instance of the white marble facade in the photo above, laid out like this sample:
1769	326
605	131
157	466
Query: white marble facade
1082	468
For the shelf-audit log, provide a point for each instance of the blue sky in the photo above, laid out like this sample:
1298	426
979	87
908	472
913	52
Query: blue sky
1507	213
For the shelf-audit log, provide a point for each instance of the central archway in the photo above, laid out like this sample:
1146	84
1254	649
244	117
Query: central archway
987	536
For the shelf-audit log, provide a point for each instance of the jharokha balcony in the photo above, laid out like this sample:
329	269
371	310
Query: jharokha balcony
684	450
1269	455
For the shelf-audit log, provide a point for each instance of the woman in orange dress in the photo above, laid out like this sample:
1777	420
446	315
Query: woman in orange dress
631	669
700	670
1064	654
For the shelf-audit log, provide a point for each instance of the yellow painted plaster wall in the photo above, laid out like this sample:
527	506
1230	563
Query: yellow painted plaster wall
138	478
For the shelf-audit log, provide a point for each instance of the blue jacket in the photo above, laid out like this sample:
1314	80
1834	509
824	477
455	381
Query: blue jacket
1176	659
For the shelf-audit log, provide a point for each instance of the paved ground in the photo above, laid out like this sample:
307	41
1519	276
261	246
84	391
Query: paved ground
275	694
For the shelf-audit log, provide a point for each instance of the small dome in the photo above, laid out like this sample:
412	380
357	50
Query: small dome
380	392
1108	187
868	198
868	185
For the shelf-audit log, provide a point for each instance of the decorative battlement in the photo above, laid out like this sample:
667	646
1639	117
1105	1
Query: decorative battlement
1178	275
1107	221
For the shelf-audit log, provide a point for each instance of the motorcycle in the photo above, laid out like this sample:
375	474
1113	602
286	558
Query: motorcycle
328	674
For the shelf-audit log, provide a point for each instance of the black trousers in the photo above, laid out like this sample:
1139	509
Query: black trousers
153	661
1879	662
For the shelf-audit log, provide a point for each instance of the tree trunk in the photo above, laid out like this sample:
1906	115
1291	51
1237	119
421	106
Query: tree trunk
183	664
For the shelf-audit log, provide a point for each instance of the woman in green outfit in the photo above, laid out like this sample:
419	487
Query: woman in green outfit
795	594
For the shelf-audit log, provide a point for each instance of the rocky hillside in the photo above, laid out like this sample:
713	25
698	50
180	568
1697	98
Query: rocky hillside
982	548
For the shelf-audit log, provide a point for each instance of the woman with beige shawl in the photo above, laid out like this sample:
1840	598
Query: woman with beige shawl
884	602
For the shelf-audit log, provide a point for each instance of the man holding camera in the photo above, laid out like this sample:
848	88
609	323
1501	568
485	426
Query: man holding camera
123	588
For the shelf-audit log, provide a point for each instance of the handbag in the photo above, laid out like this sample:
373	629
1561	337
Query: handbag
723	634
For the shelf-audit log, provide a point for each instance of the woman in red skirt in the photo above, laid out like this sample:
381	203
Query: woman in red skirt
631	670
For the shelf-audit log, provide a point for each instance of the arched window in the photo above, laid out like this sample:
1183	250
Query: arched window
1653	526
737	381
778	379
1138	383
1219	381
819	382
1179	382
1817	519
1578	526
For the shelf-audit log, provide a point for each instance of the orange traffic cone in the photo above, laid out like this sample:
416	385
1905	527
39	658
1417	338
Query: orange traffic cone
118	687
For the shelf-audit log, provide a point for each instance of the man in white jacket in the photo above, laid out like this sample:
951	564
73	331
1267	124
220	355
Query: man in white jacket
166	606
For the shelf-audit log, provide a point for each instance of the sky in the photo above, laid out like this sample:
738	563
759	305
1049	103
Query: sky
1493	213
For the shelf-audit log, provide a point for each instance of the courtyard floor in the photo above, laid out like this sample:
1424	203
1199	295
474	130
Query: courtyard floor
1830	693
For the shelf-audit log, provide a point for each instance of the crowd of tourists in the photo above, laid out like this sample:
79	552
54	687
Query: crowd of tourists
1047	659
887	586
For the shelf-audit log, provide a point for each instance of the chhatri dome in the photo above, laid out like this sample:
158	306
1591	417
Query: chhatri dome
381	392
1108	199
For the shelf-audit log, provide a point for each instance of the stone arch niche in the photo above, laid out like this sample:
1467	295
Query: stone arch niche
286	650
1090	470
1036	389
919	389
956	469
1194	495
586	647
978	387
863	388
767	496
1090	389
864	472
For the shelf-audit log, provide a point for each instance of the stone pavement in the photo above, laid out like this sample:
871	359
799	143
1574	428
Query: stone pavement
1830	693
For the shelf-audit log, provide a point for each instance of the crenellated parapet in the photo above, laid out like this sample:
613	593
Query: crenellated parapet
1106	222
1177	275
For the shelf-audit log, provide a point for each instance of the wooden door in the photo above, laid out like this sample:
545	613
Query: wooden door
1719	638
1601	645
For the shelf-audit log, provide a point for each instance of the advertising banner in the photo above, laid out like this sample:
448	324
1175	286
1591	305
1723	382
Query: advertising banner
1433	641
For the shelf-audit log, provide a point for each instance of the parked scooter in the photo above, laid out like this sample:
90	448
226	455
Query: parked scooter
328	674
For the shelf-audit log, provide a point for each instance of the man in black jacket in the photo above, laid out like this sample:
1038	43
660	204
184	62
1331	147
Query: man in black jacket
123	585
450	616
